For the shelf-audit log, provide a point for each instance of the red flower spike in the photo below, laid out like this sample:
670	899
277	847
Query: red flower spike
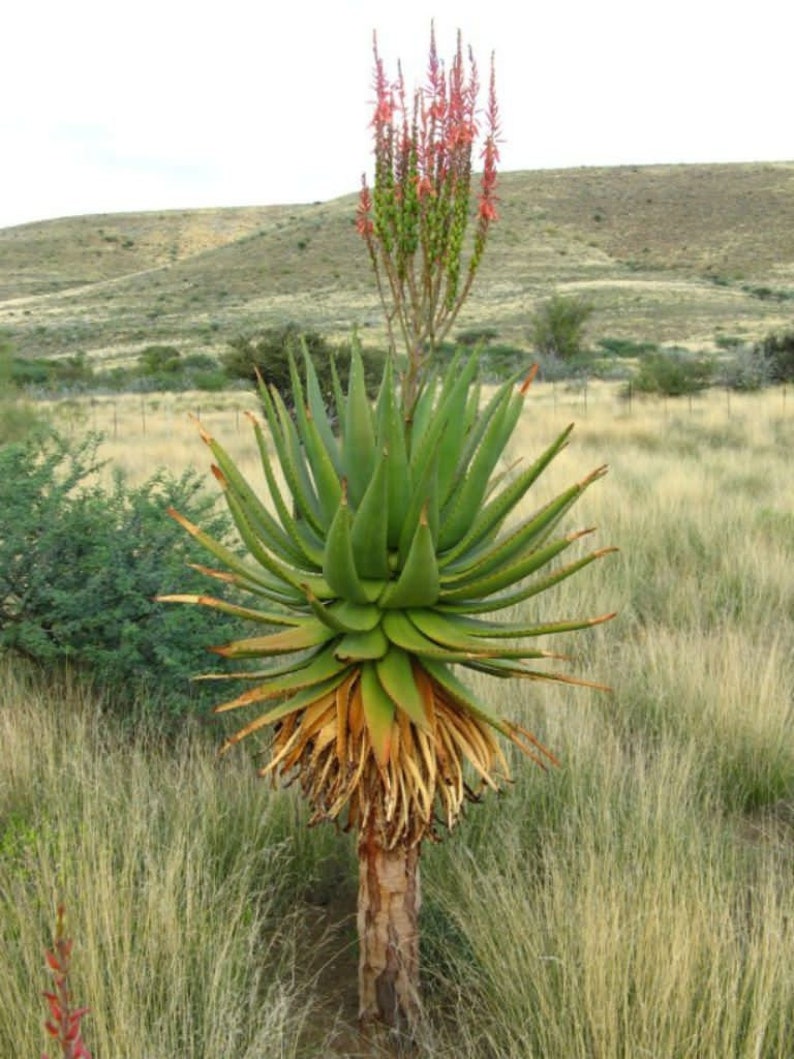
414	221
63	1025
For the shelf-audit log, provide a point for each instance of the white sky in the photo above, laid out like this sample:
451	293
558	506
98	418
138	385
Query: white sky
164	104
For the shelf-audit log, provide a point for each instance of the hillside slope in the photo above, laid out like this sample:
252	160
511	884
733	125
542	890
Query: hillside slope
665	253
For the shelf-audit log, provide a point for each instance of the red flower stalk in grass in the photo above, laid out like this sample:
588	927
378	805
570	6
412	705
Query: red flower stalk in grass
63	1025
415	217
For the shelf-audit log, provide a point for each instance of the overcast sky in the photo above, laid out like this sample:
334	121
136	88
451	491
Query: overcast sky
164	104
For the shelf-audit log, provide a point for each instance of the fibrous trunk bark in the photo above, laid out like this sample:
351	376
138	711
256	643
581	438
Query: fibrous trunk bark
388	933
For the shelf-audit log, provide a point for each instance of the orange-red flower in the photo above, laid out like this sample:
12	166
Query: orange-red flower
63	1025
423	154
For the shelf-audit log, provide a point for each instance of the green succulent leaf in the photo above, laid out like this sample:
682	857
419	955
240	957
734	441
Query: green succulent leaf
451	633
267	617
418	583
290	458
396	675
358	439
534	588
357	646
307	546
320	669
319	413
403	633
339	564
298	701
310	633
370	527
324	474
508	575
378	710
245	574
497	510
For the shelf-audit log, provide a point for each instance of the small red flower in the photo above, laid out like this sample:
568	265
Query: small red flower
487	211
364	223
424	187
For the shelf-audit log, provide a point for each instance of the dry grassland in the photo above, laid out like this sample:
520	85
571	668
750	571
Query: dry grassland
637	901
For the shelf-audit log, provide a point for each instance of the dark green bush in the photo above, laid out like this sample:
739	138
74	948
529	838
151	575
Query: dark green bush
73	372
727	341
159	360
626	347
162	368
498	360
558	325
674	373
777	351
268	353
80	565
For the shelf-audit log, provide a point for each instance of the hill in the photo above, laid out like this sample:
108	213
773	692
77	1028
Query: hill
666	254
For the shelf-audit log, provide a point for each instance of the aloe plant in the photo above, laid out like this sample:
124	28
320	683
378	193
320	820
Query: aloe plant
378	572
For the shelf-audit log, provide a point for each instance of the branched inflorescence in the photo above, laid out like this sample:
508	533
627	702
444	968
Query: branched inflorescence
415	217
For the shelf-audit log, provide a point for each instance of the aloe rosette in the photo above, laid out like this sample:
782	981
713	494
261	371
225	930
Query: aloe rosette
381	562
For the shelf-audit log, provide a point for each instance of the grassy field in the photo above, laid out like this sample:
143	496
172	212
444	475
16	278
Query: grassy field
667	254
637	901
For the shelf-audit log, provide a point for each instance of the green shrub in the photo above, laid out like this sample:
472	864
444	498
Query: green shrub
764	293
777	351
17	418
557	327
727	341
626	347
159	360
80	565
674	373
212	380
44	373
268	354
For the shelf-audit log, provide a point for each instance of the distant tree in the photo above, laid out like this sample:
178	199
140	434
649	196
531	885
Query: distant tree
558	325
159	360
674	373
267	353
777	352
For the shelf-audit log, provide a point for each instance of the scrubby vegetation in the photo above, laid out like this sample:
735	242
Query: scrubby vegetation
266	355
673	373
635	898
81	562
557	327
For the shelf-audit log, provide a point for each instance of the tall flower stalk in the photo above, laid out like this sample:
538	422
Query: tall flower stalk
415	218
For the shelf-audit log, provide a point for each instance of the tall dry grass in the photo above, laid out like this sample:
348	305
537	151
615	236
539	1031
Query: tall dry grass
179	874
637	901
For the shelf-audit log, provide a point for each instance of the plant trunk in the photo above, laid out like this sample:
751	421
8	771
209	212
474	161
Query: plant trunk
388	933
